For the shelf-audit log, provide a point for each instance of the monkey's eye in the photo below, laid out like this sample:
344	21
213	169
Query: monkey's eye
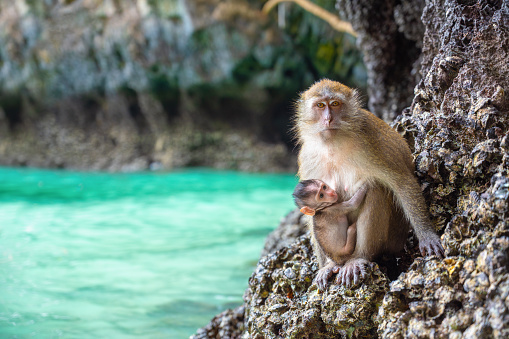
321	195
334	103
324	187
320	104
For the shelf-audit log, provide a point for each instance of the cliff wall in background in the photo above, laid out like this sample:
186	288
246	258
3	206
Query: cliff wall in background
128	85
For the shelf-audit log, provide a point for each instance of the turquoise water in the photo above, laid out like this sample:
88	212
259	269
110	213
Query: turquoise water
147	255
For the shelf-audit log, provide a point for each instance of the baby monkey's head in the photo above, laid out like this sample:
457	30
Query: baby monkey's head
313	195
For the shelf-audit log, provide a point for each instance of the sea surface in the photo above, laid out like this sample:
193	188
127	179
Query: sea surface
145	255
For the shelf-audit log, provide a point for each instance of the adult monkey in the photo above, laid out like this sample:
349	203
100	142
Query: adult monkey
345	146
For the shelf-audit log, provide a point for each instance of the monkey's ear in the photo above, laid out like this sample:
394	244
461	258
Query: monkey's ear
307	211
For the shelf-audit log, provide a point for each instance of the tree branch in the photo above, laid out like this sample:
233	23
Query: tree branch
323	14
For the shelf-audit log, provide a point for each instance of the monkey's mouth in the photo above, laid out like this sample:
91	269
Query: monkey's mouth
330	129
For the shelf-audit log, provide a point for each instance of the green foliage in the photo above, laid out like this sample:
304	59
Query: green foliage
246	69
165	89
325	57
327	52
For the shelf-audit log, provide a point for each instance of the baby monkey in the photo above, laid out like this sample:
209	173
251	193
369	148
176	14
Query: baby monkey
330	225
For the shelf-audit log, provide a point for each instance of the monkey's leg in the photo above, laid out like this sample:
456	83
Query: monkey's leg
353	272
324	274
373	226
327	266
351	240
321	257
398	232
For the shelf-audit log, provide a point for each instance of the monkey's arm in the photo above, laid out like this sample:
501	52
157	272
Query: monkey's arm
353	203
393	165
408	192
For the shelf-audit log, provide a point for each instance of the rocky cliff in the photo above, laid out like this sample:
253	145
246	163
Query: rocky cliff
127	85
457	125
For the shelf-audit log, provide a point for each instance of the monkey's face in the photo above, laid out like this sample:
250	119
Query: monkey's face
327	109
327	113
325	196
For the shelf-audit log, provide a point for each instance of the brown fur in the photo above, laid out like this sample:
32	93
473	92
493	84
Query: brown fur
331	228
334	232
363	148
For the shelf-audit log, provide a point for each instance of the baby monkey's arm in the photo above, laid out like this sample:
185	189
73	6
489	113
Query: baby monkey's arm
353	203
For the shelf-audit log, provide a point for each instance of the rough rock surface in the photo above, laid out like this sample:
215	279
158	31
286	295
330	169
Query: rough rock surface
291	227
390	36
458	128
282	302
228	324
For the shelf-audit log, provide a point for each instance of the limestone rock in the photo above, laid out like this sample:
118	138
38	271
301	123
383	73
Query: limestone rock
283	302
291	227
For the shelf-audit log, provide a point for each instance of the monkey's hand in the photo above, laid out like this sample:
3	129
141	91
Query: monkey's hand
352	273
430	245
323	275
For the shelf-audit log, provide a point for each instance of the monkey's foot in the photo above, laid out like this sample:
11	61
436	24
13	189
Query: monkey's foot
352	272
431	245
323	275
